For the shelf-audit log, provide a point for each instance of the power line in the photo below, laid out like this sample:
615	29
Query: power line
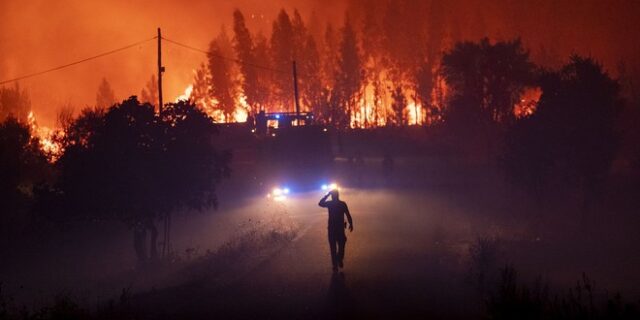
76	62
133	45
223	57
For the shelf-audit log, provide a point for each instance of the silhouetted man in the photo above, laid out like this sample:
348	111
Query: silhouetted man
337	210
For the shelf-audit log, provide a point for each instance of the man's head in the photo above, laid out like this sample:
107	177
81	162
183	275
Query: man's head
335	195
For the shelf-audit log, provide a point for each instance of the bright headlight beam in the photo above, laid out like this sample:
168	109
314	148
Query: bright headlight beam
331	186
278	194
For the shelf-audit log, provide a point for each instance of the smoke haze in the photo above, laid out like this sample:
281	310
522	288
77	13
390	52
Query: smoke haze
37	35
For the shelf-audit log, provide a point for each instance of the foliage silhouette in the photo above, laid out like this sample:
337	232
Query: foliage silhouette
570	140
105	96
491	76
131	165
22	165
149	93
282	52
399	105
348	76
486	81
14	102
516	300
223	87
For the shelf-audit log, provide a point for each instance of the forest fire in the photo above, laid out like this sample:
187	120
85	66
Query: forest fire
393	40
210	107
369	112
181	159
46	138
372	110
335	79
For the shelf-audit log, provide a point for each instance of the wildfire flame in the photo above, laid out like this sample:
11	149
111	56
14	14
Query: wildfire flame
209	106
528	102
372	111
187	93
46	138
364	116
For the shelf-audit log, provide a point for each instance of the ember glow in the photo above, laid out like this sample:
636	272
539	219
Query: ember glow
46	138
209	106
186	95
365	116
528	102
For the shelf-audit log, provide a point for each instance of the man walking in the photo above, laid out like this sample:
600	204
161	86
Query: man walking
337	238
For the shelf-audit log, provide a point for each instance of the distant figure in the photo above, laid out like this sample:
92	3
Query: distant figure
337	239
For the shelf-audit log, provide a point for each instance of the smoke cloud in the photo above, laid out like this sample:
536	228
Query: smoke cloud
39	34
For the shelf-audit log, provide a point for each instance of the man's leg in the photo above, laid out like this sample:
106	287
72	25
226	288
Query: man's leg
332	249
342	242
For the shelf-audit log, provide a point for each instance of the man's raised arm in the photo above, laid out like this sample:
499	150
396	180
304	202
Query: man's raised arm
323	201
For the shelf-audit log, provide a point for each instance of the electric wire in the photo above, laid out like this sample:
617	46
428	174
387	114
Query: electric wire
223	57
136	44
76	62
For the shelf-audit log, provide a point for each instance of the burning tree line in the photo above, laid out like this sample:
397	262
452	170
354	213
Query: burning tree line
345	81
383	68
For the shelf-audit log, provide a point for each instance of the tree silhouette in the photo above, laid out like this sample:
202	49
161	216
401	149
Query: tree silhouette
402	37
131	165
14	101
349	74
200	93
191	164
22	163
308	65
105	97
245	52
282	54
310	81
263	76
490	76
485	80
330	55
149	93
105	171
328	61
300	34
424	87
570	139
223	85
373	57
398	105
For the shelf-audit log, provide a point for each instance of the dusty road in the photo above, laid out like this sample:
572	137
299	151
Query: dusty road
399	262
408	257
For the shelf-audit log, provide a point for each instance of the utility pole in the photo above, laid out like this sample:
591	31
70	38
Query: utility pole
295	92
160	71
166	244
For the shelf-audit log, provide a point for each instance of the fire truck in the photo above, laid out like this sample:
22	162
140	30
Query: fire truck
296	148
279	148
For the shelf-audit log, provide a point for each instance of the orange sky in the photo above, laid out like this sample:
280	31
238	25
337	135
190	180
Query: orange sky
40	34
